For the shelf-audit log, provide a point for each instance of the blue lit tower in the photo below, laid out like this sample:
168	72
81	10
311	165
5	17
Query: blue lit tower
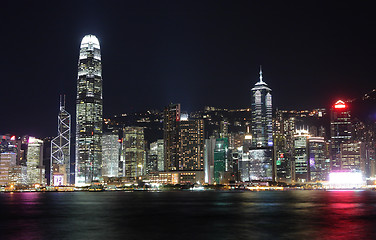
89	108
261	110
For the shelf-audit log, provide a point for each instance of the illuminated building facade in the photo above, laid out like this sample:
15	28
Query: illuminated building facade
191	145
156	156
261	110
301	166
209	160
220	159
35	168
7	161
89	108
60	149
110	154
319	166
133	152
171	137
340	131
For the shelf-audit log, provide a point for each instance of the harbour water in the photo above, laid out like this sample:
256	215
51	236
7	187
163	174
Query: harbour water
189	215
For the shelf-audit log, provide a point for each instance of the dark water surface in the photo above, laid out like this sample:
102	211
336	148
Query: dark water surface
189	215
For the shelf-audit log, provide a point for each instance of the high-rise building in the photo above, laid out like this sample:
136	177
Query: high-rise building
60	149
340	131
110	154
318	165
89	110
261	109
156	152
191	145
134	152
35	169
220	159
300	165
171	137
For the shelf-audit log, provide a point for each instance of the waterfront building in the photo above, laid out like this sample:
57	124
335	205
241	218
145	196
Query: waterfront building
209	160
60	149
261	110
34	163
110	154
89	111
220	160
352	156
300	164
133	152
156	156
7	161
319	167
191	150
171	137
340	131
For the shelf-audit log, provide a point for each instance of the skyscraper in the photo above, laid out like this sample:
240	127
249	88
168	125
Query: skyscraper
60	148
340	131
89	109
133	152
171	137
261	108
110	154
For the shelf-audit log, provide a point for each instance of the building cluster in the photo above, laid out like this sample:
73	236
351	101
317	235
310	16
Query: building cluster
212	146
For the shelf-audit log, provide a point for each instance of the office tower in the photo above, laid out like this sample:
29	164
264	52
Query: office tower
35	169
191	145
209	160
60	148
318	166
261	110
157	153
89	112
220	159
133	152
7	161
171	137
300	164
352	156
110	154
340	131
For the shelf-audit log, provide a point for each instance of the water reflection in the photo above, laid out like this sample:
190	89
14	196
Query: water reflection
189	215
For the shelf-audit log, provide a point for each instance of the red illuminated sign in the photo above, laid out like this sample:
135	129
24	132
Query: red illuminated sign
340	105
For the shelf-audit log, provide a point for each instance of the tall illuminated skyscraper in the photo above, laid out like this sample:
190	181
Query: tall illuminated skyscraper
60	149
89	110
261	108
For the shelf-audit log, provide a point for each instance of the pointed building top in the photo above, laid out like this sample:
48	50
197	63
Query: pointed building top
261	74
62	102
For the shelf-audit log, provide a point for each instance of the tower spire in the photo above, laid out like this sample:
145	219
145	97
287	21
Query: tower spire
261	74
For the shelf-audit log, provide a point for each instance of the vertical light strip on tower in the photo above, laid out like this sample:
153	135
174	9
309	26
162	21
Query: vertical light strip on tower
89	108
60	148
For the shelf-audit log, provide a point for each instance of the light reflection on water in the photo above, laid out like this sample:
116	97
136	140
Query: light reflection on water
189	215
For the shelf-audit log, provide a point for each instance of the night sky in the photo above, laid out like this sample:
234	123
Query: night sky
197	53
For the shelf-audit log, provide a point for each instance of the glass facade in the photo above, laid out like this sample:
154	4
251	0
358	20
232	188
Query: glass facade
261	108
110	154
60	149
89	111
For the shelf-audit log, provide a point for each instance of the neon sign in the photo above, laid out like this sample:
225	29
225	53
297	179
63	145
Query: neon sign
340	105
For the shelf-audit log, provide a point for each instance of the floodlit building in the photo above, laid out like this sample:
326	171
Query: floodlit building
133	152
261	110
300	165
7	161
340	131
319	166
220	159
35	168
89	110
60	149
110	154
191	145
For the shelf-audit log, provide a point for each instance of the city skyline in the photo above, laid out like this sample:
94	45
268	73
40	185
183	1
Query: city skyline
185	53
